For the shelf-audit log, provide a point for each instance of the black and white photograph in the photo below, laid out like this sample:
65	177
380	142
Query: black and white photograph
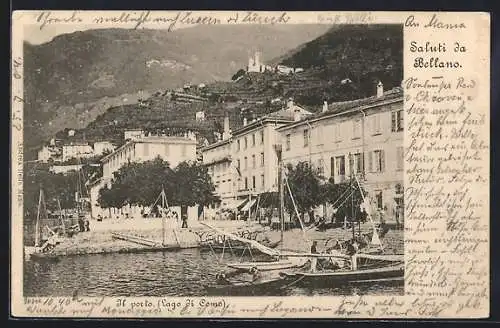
245	160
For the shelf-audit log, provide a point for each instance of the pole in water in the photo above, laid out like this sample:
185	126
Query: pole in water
352	213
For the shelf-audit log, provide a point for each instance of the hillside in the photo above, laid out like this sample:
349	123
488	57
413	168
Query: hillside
75	77
350	52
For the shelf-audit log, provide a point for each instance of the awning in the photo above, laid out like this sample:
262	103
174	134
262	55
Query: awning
241	203
249	205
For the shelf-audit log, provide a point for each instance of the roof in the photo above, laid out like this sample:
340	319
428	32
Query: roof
152	139
215	144
73	144
286	115
226	158
164	139
339	108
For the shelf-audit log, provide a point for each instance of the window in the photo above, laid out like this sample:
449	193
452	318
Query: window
306	137
321	166
397	121
288	141
337	133
340	165
332	166
399	158
245	163
356	129
145	149
358	163
253	161
261	159
246	183
319	134
167	149
238	145
262	137
238	165
253	139
375	124
378	199
253	182
376	161
262	181
246	143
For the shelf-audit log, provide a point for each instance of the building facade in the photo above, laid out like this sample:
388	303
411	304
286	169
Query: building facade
362	138
76	150
133	134
246	165
100	147
172	149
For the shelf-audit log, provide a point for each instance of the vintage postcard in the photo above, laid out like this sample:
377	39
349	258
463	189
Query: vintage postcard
250	164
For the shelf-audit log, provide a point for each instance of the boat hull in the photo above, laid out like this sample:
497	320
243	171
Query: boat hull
261	287
268	266
392	272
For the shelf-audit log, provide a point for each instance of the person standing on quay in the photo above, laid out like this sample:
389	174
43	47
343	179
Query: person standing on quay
184	221
314	260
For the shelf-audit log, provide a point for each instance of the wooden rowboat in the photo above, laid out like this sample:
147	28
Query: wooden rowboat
393	271
243	284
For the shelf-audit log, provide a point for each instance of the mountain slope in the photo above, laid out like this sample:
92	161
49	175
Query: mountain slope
81	68
363	55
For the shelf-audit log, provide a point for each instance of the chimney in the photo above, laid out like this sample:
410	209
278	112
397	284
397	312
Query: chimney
226	123
296	115
227	132
380	89
325	106
289	103
244	121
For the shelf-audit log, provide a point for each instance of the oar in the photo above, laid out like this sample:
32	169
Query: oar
293	283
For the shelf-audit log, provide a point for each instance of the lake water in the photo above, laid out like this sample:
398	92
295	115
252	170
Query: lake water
183	273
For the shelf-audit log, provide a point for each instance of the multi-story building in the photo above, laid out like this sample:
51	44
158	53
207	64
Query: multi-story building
100	147
133	134
363	138
217	159
246	164
171	149
76	150
45	153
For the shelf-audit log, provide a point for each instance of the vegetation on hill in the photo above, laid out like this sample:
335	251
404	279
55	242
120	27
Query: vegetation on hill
67	78
343	64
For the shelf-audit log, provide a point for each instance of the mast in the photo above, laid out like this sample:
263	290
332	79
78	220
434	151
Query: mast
37	223
281	191
352	212
61	217
282	201
162	218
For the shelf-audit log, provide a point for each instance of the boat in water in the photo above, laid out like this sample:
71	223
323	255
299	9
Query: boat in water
362	268
252	282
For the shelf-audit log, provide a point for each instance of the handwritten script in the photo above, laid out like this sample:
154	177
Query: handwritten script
447	159
445	120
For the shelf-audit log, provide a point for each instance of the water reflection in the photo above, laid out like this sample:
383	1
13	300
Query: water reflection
184	273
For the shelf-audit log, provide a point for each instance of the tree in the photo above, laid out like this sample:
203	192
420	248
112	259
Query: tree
346	198
141	183
193	185
240	72
305	185
138	184
57	189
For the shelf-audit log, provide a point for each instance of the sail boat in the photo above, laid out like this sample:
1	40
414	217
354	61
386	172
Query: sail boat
363	267
41	245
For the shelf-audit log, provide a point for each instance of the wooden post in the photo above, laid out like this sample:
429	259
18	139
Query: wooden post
281	192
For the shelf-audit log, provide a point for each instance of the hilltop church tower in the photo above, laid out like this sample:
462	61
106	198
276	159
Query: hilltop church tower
254	64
